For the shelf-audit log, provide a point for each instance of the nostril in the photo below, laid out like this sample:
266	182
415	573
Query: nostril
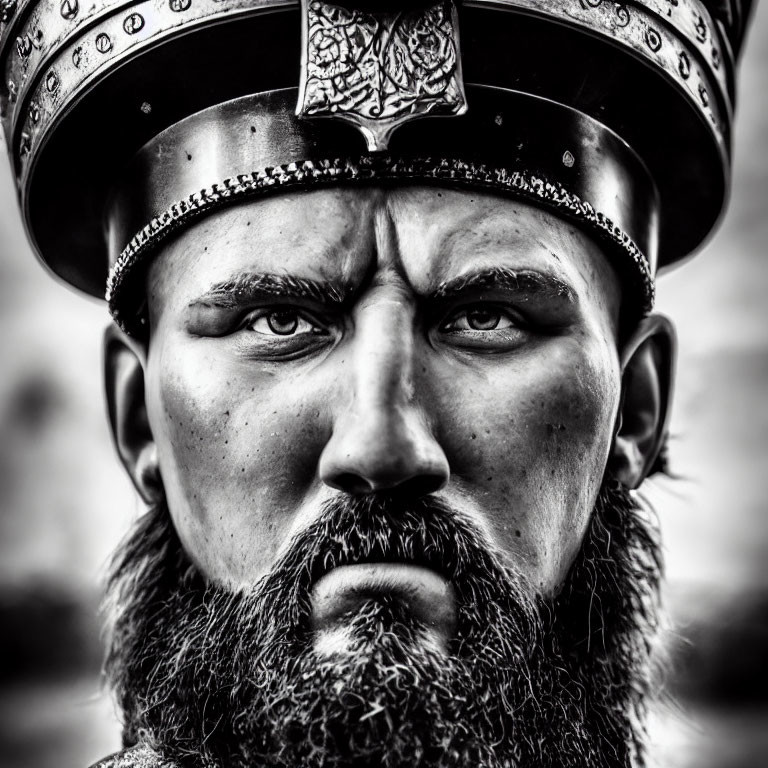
416	486
350	483
421	485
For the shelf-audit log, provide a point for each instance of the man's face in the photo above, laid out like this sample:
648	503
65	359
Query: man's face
382	421
358	340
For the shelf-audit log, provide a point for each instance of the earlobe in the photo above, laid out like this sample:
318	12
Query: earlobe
124	366
647	365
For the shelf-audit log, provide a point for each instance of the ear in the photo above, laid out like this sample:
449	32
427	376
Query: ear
647	367
124	366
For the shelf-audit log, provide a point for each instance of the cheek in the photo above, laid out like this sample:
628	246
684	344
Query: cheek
237	451
528	442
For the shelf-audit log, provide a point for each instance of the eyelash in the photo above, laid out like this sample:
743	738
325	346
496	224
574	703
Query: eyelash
513	332
487	308
269	312
319	327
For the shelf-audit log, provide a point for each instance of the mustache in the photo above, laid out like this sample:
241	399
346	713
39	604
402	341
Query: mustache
373	528
368	528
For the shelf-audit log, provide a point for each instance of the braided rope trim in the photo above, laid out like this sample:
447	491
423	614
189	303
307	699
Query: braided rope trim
365	170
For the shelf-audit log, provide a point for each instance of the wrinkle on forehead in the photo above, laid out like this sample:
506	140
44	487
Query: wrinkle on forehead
464	230
475	220
422	236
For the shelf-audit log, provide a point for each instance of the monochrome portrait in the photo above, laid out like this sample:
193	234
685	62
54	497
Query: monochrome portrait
384	383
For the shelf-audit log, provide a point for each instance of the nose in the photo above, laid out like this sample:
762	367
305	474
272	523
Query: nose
382	439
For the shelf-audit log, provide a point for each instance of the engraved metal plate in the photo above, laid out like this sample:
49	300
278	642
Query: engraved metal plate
380	69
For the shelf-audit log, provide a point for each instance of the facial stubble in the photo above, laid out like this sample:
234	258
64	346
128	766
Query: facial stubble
207	676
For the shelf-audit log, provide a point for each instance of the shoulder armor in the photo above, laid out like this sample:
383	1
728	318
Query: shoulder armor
140	756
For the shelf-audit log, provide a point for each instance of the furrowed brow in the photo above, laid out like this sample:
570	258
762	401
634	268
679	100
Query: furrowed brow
525	281
250	287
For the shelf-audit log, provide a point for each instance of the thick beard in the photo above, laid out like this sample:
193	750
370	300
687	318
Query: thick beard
208	676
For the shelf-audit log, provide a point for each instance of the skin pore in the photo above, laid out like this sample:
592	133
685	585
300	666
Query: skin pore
413	340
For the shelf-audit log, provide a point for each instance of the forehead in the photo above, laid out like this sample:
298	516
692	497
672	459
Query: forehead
426	235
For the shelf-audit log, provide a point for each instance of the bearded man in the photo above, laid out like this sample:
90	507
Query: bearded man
387	385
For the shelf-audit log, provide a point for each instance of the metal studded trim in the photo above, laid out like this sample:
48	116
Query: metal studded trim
61	48
124	302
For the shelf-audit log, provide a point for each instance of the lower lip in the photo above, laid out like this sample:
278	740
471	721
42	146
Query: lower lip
428	596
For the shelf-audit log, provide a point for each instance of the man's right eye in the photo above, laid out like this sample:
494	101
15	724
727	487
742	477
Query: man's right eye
283	322
282	332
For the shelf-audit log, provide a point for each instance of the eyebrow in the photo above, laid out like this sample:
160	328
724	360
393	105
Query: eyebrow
249	287
525	281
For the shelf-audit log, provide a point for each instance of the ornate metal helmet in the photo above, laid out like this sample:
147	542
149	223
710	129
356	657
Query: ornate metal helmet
126	119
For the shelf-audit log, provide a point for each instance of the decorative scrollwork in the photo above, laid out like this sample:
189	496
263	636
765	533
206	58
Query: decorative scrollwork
378	70
52	82
103	43
622	15
702	31
24	46
7	9
652	39
133	23
69	9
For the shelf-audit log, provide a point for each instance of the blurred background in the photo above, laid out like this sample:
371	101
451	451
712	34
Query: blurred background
65	502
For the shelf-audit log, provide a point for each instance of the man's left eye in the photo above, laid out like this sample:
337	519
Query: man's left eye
281	322
479	318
